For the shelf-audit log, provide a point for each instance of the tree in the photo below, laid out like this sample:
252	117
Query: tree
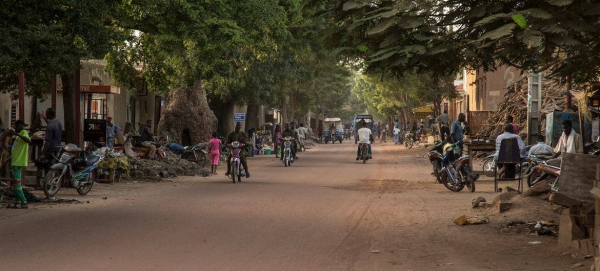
45	38
560	36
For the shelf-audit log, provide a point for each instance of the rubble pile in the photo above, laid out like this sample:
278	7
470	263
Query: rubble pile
169	167
515	104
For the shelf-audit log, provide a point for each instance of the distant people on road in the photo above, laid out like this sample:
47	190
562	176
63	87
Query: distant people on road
215	153
277	140
396	135
456	131
239	136
302	133
364	136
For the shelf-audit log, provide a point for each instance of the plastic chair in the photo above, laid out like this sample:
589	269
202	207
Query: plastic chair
509	153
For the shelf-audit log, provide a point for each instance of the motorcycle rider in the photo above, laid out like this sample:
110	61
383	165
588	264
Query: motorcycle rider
239	136
365	137
288	132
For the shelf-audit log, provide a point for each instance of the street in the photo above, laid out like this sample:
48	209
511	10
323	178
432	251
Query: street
326	212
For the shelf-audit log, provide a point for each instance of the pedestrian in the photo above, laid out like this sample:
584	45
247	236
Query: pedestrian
53	137
111	131
456	131
277	141
396	132
18	159
215	153
443	122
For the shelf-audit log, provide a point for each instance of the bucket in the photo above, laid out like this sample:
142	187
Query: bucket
267	152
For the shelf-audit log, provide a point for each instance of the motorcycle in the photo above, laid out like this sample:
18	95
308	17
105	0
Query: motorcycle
196	153
236	162
288	158
346	133
456	172
408	140
436	160
539	171
338	136
74	169
364	152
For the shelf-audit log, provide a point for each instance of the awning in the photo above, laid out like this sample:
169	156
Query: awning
423	109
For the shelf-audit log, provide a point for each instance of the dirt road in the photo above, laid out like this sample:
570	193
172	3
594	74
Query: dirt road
326	212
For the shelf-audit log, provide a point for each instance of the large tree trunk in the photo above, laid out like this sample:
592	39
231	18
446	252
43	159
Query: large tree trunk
252	116
68	82
227	122
187	109
284	112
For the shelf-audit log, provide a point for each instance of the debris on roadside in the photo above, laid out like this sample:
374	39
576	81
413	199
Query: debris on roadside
169	167
473	220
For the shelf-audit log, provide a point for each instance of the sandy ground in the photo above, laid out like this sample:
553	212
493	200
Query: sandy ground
326	212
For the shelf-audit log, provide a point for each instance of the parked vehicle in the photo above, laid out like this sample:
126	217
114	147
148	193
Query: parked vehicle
288	158
437	159
456	172
236	163
408	140
74	169
197	153
539	171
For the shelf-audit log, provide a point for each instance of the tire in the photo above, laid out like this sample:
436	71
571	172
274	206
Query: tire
83	190
285	159
532	178
201	158
446	181
408	144
234	172
470	182
52	182
488	165
239	177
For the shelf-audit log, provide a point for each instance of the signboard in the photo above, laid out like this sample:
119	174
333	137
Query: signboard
239	117
94	130
99	89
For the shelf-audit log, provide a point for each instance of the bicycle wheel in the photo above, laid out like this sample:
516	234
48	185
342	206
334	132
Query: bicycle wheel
488	165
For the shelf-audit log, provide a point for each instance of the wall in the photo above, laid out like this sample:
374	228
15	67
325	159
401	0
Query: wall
490	87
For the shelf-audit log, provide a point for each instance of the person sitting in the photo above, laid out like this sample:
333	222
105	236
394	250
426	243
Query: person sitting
239	136
148	139
364	137
508	133
569	141
288	132
541	149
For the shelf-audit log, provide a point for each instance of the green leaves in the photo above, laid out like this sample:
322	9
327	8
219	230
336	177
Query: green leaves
520	20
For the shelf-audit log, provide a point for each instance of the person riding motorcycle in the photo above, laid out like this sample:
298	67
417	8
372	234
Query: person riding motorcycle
365	136
288	132
239	136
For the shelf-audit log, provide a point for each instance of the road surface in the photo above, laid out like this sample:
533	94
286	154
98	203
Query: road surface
326	212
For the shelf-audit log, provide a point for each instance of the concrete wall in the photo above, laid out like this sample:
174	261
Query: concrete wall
487	89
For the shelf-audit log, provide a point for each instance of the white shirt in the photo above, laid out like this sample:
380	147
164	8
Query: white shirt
396	131
363	135
541	149
508	135
302	132
569	144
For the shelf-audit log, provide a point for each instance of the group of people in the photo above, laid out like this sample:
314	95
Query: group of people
19	153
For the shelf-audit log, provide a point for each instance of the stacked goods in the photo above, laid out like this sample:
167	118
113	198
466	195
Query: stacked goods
515	104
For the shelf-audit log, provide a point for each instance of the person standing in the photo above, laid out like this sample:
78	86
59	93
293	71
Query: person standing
509	120
215	153
53	137
277	141
111	131
302	132
320	132
18	160
443	122
396	135
456	131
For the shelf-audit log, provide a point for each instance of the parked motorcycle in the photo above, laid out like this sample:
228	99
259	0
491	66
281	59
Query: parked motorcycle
456	172
288	158
197	153
540	171
74	169
408	140
436	160
236	162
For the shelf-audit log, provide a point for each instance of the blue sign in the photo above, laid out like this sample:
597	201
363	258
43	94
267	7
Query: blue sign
239	117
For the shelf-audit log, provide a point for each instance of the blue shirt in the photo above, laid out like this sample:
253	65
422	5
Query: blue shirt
457	131
112	129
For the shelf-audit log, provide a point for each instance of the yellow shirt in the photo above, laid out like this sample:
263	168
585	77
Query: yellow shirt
20	151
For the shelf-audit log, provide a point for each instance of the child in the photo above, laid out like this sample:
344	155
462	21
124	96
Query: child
215	143
19	161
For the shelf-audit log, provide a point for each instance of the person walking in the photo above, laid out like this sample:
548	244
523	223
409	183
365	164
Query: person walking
111	132
456	131
443	122
215	152
19	161
396	132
